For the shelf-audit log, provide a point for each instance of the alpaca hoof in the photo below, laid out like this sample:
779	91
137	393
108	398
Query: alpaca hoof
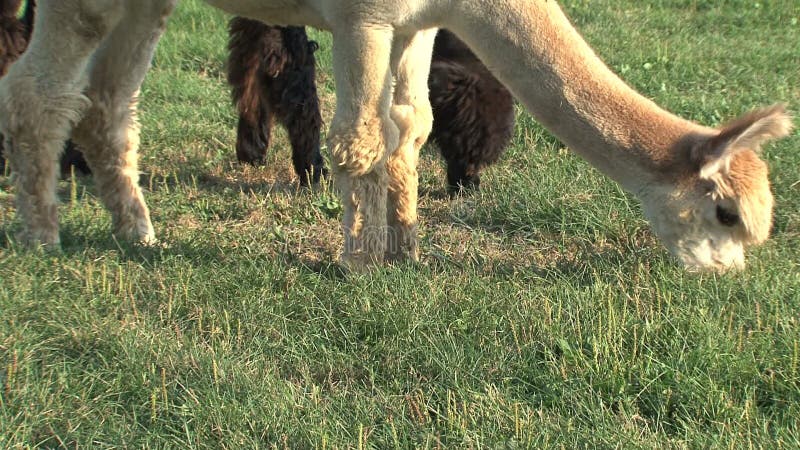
47	241
401	244
141	233
321	173
153	243
402	257
254	159
149	241
251	153
144	241
359	263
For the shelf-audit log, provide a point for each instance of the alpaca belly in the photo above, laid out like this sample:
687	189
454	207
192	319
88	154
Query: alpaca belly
406	16
273	12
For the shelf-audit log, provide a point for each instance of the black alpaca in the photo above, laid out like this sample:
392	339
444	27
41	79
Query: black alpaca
271	71
473	113
14	36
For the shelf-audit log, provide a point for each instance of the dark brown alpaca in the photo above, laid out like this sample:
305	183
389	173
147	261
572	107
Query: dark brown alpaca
14	36
271	71
14	33
473	113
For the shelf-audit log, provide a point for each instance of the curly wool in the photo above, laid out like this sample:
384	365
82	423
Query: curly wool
271	71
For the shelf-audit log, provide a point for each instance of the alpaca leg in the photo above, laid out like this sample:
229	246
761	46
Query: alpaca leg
412	113
246	42
73	159
304	136
459	179
109	132
40	101
253	134
303	121
360	138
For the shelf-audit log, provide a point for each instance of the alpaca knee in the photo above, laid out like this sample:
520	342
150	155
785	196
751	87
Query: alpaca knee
360	149
89	19
425	121
28	115
414	122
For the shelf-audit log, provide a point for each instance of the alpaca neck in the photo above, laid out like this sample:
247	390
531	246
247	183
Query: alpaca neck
534	50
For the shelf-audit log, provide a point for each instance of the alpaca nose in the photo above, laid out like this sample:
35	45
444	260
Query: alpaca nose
732	256
737	262
709	256
732	260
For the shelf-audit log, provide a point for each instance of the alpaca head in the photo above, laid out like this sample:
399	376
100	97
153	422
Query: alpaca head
722	202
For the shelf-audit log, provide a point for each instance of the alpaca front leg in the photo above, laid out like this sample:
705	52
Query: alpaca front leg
40	101
110	142
109	132
34	162
361	135
412	113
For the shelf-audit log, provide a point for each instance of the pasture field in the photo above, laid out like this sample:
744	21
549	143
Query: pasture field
543	313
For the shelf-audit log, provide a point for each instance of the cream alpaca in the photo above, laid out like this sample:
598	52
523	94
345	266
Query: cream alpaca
705	191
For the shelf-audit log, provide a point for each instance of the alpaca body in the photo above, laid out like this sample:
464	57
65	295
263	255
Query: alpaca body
683	172
271	72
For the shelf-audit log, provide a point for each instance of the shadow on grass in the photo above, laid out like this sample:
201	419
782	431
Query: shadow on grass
579	264
217	184
76	242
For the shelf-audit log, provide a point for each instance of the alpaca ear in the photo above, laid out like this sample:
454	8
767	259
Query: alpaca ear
745	133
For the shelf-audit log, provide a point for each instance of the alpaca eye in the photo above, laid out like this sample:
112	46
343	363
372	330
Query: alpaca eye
708	186
726	217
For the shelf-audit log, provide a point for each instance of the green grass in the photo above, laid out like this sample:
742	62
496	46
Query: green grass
544	313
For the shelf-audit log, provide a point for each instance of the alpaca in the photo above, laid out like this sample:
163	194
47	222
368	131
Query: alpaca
14	32
705	191
473	113
14	36
271	71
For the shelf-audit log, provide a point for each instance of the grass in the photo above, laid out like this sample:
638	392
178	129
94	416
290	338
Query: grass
544	313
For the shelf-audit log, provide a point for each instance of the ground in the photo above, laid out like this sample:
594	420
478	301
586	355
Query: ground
544	313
